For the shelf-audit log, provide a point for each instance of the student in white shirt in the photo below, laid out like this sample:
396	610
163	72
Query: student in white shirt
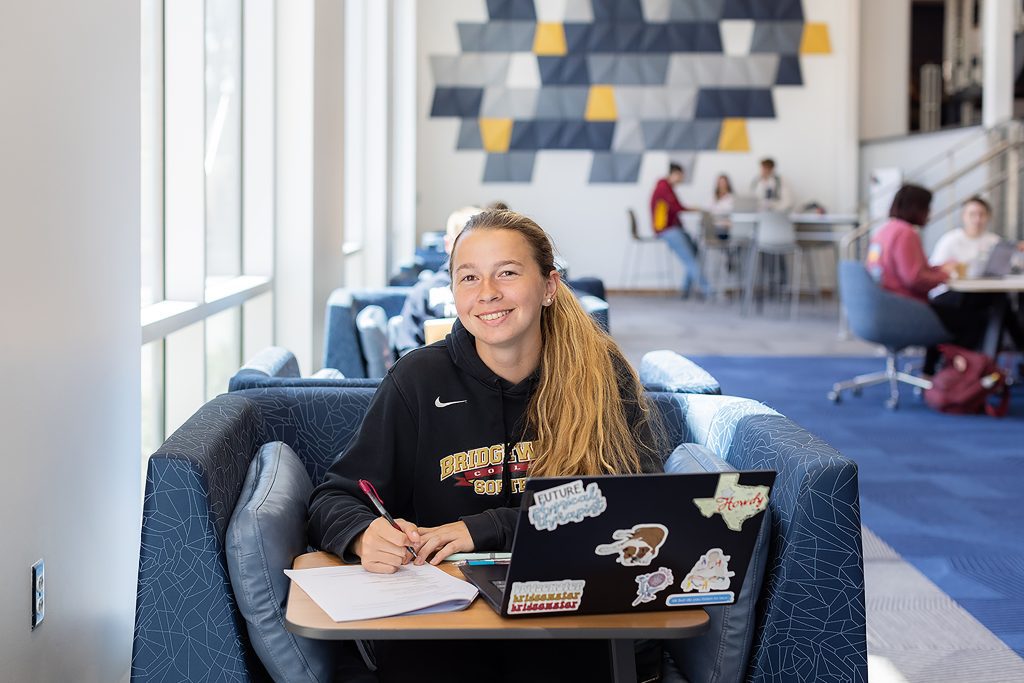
772	194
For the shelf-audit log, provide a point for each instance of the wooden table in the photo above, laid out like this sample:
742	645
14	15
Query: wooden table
479	621
999	322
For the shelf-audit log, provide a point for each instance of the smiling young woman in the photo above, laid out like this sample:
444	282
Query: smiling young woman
526	384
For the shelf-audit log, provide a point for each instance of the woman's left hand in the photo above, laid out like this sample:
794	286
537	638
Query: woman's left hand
439	542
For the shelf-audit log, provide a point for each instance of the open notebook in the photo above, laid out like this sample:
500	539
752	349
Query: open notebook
351	593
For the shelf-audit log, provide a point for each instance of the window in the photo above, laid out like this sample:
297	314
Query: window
207	201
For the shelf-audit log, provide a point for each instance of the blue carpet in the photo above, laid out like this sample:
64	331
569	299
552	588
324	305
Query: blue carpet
945	491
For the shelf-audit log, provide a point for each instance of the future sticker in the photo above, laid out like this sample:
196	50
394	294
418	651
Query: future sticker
546	596
734	501
649	584
635	547
567	503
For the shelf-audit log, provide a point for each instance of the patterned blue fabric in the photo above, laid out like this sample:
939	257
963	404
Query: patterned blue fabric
274	361
810	616
668	371
187	624
246	379
811	619
342	349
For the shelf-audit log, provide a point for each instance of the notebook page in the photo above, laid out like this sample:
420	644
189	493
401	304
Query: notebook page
352	593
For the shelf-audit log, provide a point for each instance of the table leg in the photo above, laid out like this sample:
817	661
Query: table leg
994	330
623	661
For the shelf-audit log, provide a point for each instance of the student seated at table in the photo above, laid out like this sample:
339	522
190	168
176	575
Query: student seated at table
897	261
722	205
969	246
525	385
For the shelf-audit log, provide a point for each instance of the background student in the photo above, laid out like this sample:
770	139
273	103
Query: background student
772	194
524	385
665	208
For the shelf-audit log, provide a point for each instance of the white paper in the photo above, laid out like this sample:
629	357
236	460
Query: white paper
352	593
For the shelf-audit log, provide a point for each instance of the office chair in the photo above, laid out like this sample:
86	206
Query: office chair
637	243
891	320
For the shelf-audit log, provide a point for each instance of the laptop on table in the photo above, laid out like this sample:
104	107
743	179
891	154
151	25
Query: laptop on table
632	543
1000	260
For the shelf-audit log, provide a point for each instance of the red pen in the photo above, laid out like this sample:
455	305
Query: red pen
374	497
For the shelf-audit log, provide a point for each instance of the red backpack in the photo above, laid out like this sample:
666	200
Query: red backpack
967	382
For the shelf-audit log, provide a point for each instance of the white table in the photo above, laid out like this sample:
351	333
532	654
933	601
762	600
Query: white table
999	322
810	227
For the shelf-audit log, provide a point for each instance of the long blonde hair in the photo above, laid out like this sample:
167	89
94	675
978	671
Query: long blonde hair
578	412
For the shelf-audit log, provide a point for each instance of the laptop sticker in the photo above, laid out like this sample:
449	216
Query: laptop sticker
546	596
710	577
567	503
635	547
649	584
734	501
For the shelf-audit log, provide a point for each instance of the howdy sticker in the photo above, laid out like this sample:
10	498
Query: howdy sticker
567	503
546	596
734	501
711	573
649	584
635	547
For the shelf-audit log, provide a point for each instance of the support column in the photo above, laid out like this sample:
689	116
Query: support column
998	21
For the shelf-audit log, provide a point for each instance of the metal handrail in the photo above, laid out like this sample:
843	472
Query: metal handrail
860	231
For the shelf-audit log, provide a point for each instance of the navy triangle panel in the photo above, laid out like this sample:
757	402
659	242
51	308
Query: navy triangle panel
694	37
602	37
628	36
600	134
617	9
655	38
568	70
548	133
573	136
789	71
781	10
524	136
720	103
460	102
577	37
511	9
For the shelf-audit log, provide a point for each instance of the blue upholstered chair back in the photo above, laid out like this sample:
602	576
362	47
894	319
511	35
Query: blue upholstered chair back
811	615
883	317
275	366
342	348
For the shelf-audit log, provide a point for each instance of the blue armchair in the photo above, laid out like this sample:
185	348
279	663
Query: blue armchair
810	624
669	371
891	320
342	346
275	366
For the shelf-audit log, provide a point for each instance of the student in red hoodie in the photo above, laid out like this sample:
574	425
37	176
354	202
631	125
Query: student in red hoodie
665	208
897	261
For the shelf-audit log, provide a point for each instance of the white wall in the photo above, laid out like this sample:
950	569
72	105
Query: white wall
885	68
813	140
69	296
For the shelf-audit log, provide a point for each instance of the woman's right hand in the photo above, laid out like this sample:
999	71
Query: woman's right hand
382	548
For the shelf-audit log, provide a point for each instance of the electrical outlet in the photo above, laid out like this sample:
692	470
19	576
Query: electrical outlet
38	593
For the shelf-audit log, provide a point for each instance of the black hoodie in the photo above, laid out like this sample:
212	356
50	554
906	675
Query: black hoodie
441	441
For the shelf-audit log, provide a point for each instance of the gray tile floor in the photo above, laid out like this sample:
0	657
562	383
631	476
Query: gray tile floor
915	631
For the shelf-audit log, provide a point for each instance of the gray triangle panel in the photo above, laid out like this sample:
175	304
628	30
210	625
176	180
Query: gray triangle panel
656	133
695	10
509	103
622	69
610	167
512	167
469	135
629	136
780	37
562	102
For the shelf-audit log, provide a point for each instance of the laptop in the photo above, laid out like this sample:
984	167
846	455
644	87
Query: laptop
1000	260
632	543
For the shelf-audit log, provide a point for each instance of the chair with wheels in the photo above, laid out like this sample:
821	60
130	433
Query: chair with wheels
894	321
637	242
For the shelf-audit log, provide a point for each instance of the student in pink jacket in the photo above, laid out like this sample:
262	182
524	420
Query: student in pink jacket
897	261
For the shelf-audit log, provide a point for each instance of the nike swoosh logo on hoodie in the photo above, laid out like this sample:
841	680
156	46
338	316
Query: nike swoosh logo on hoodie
439	404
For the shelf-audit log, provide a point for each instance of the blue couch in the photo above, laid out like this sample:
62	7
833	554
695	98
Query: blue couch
343	348
810	615
275	366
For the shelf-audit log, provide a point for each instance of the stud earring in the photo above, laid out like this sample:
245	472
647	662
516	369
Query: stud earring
547	302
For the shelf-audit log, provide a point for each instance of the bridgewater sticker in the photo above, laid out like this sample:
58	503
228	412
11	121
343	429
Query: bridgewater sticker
635	547
649	584
711	573
734	501
567	503
546	596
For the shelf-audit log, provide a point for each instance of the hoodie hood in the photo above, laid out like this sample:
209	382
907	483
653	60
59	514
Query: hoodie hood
462	349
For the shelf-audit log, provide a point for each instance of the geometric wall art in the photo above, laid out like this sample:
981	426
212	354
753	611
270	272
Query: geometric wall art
618	78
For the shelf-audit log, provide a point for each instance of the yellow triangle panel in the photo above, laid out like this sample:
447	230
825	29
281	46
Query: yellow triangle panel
733	137
496	134
549	40
815	40
601	104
